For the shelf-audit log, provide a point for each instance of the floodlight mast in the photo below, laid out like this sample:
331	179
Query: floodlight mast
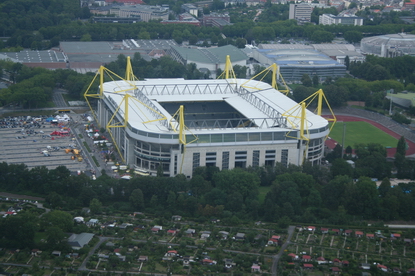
298	112
129	78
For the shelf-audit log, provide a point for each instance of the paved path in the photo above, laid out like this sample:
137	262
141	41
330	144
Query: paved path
277	257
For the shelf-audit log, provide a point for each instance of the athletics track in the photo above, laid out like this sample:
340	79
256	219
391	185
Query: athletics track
390	151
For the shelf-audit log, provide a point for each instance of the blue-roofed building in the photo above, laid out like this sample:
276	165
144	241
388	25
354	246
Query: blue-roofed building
295	62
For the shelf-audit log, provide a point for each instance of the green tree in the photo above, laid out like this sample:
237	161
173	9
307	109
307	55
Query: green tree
306	80
322	37
137	199
347	62
353	36
95	206
315	81
59	219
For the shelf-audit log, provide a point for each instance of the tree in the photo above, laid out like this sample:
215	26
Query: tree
401	146
347	62
322	37
315	81
59	219
95	206
306	80
353	36
137	199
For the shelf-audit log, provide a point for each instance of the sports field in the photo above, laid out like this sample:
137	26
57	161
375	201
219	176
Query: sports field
361	132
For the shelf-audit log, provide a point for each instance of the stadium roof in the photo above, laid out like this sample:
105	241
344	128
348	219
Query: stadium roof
211	55
305	57
156	91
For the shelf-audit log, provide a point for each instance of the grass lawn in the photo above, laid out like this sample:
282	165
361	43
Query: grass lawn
362	132
263	190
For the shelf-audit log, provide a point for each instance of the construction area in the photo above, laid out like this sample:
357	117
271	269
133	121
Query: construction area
40	142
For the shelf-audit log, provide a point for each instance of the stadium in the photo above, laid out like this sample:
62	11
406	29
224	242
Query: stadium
182	124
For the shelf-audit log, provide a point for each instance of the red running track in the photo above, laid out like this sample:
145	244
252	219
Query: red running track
390	151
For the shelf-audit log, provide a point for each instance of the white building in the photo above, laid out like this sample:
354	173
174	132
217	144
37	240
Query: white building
229	123
301	11
330	19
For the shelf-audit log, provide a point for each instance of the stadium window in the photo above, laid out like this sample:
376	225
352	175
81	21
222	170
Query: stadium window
241	137
229	137
225	160
196	160
266	136
284	157
255	158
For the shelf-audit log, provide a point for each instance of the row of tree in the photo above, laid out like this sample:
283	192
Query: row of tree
302	193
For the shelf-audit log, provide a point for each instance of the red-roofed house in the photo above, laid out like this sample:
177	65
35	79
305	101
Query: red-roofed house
358	234
370	236
336	231
348	232
411	271
306	258
345	263
335	269
324	230
396	236
308	266
255	268
337	262
311	228
382	267
172	232
293	256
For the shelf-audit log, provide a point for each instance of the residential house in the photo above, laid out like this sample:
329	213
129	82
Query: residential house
396	236
223	235
255	268
274	240
335	270
229	263
187	260
156	228
190	232
172	231
370	236
358	234
293	256
337	262
176	218
382	267
348	232
208	261
79	219
204	235
365	266
396	270
308	266
345	263
306	258
407	241
77	241
336	231
324	230
411	271
311	228
56	253
239	236
143	258
124	225
92	222
321	260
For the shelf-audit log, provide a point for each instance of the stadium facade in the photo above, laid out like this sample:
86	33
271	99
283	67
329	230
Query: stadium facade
389	45
226	123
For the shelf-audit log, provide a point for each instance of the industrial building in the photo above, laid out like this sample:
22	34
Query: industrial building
183	124
389	45
295	60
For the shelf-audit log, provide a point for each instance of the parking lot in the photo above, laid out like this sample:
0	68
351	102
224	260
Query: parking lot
30	141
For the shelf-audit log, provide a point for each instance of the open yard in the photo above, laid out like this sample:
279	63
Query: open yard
361	132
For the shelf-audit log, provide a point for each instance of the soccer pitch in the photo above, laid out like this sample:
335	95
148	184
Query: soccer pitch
361	132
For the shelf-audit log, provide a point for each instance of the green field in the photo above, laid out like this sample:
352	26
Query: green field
361	132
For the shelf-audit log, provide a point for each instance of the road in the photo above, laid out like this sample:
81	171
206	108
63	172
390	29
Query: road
277	257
